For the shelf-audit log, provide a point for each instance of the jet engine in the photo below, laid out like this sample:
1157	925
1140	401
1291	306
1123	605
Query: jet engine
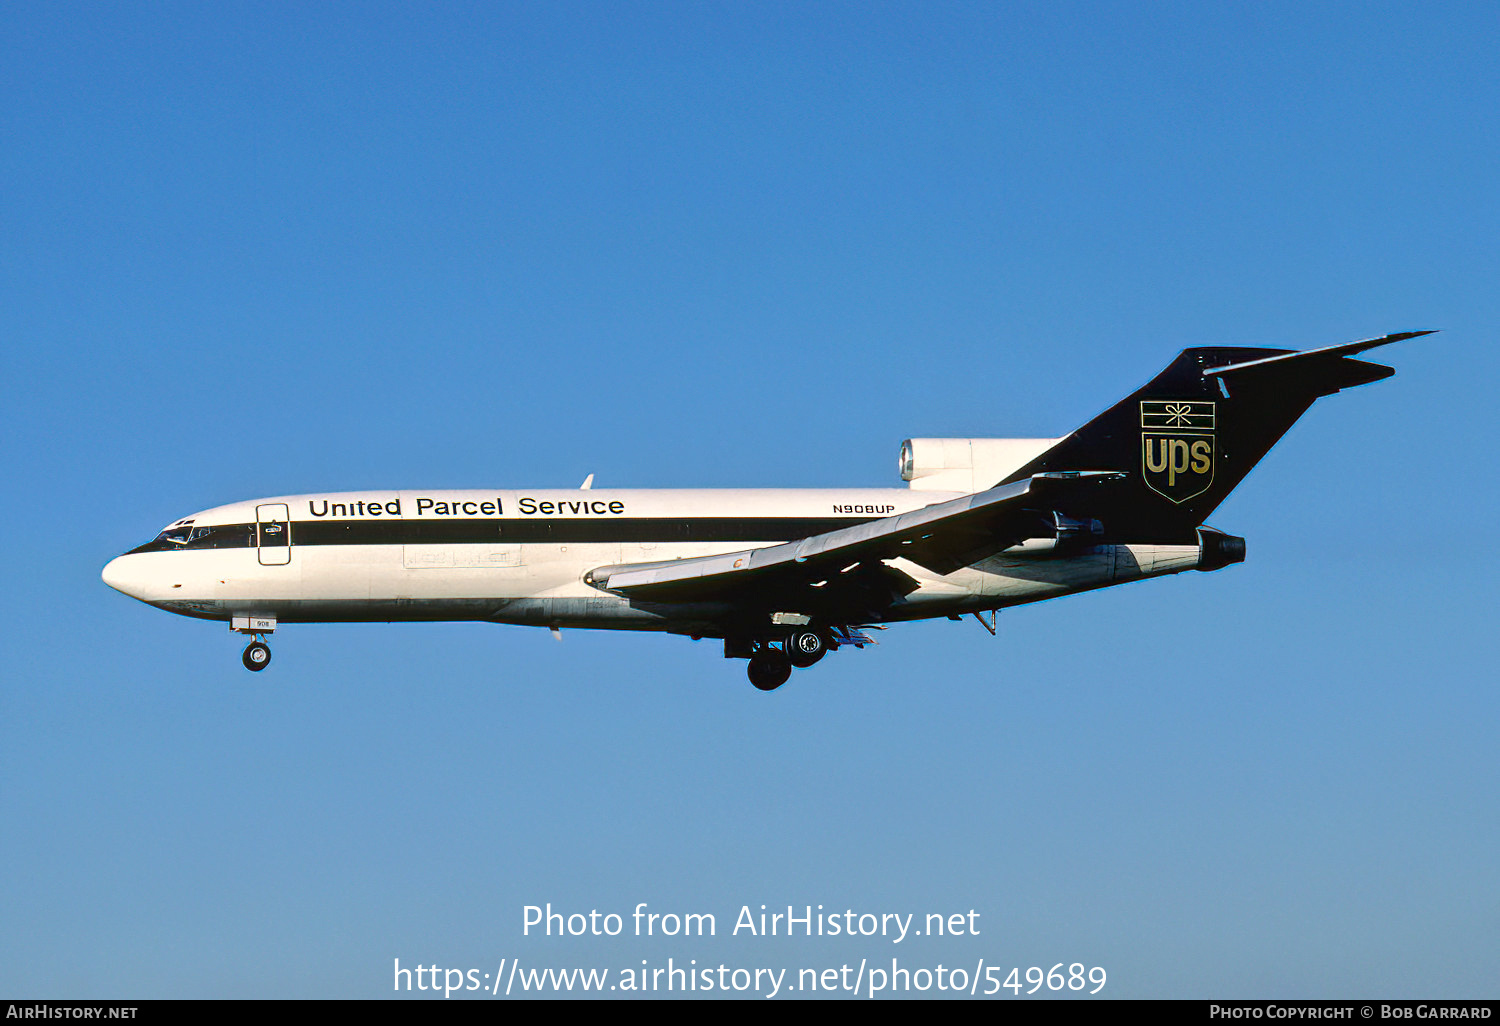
966	464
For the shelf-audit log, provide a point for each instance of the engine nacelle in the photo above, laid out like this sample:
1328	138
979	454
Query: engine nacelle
1217	549
966	464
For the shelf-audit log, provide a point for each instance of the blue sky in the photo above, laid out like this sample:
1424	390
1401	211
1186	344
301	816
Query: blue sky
266	249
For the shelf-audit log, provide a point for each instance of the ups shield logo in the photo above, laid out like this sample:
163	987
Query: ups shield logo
1177	447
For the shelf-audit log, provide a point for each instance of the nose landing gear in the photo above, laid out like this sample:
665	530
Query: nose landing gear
257	655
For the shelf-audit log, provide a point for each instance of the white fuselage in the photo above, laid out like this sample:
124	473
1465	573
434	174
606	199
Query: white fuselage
521	556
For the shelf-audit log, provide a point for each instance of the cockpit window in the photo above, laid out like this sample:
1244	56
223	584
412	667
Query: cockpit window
221	536
203	536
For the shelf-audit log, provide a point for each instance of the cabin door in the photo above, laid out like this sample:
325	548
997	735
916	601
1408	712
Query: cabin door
273	534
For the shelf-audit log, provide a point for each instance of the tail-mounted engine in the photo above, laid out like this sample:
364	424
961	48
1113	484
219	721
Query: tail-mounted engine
1217	549
966	464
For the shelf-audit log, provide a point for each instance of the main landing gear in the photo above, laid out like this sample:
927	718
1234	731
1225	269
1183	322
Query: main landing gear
803	648
769	672
773	657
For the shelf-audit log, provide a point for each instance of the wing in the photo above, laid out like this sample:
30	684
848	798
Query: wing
846	571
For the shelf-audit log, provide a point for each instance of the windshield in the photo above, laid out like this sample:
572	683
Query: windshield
221	536
177	534
202	536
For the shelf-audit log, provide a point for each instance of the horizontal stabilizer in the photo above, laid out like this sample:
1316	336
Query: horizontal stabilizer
1319	357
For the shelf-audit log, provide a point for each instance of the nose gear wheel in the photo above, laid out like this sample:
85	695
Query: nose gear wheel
257	656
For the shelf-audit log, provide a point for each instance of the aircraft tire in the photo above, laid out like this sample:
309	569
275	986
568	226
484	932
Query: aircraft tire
805	648
769	674
257	656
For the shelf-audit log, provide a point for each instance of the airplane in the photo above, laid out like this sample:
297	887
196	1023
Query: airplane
782	576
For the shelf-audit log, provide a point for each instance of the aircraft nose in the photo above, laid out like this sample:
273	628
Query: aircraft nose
119	576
